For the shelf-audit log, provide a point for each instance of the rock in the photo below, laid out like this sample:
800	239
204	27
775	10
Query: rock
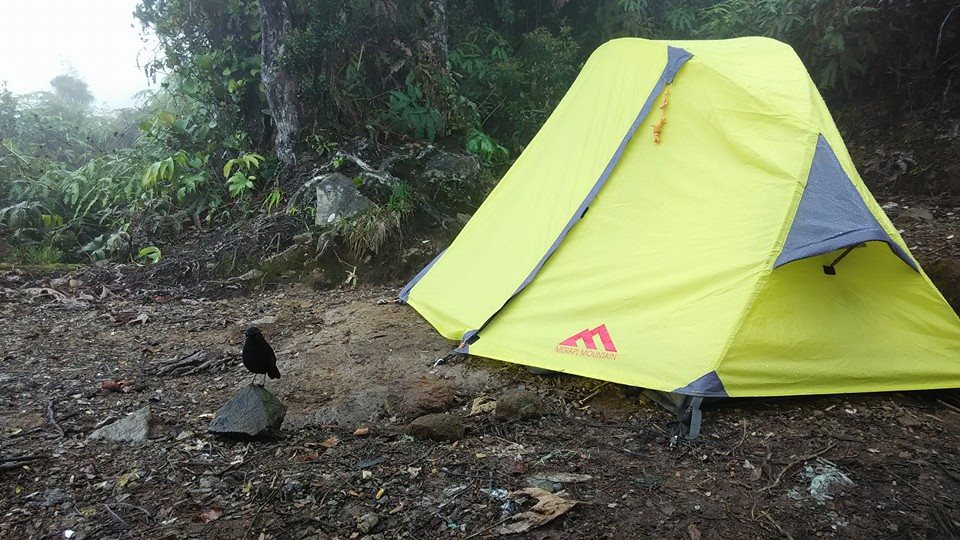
412	398
519	404
53	497
916	214
253	412
135	427
303	238
338	198
543	484
367	522
449	167
436	427
945	274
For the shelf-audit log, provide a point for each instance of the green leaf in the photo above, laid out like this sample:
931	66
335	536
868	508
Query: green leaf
150	252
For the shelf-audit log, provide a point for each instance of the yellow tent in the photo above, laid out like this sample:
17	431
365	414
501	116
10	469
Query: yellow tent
688	220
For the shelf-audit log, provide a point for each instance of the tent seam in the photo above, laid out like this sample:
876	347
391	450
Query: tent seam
772	257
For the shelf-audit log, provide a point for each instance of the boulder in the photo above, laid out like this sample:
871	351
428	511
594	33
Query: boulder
519	404
915	214
945	274
444	167
412	398
134	428
253	412
436	427
338	197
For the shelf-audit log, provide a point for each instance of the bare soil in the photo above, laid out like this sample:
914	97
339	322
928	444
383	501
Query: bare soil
342	352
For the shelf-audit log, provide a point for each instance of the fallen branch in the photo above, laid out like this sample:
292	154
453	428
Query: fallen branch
7	463
195	362
792	464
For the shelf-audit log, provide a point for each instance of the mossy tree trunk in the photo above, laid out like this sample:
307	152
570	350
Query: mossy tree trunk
279	84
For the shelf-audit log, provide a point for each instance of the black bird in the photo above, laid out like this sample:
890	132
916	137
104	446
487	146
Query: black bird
258	356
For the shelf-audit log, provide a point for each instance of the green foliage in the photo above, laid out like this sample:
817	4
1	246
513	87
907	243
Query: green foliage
151	253
272	201
410	112
485	147
241	182
40	254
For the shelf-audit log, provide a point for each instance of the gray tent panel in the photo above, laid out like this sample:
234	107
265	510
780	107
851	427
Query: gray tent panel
832	214
708	385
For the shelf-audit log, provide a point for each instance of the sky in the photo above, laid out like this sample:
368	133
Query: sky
100	39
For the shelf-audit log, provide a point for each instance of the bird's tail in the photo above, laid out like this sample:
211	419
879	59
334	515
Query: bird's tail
274	373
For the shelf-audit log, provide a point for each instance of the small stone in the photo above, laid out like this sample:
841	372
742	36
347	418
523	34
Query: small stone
543	484
135	428
367	522
253	412
915	214
412	398
52	497
436	427
519	404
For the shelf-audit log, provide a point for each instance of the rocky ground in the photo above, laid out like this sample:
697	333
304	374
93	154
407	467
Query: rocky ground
548	457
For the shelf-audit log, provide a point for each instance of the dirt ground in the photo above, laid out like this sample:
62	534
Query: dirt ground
751	474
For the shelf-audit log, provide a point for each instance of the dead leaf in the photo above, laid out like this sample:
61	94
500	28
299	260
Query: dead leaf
331	442
306	457
211	514
362	432
124	386
127	478
549	507
694	532
481	405
141	318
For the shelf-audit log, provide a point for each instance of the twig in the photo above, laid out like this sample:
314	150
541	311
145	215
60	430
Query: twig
790	465
256	515
596	391
52	417
953	408
936	51
128	505
488	527
116	517
730	451
33	457
777	525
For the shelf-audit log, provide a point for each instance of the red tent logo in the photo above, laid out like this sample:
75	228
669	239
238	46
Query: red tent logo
584	343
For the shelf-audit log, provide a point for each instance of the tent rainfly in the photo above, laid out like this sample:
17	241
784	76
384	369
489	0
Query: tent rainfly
688	220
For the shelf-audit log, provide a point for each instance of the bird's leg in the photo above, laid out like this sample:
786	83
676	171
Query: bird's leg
254	381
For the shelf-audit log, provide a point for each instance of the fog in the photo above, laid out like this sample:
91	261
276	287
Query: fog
99	39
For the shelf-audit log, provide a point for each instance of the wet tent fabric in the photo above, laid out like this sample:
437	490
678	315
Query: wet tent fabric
694	265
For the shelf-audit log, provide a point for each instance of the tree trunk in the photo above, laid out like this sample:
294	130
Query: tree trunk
281	89
436	32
